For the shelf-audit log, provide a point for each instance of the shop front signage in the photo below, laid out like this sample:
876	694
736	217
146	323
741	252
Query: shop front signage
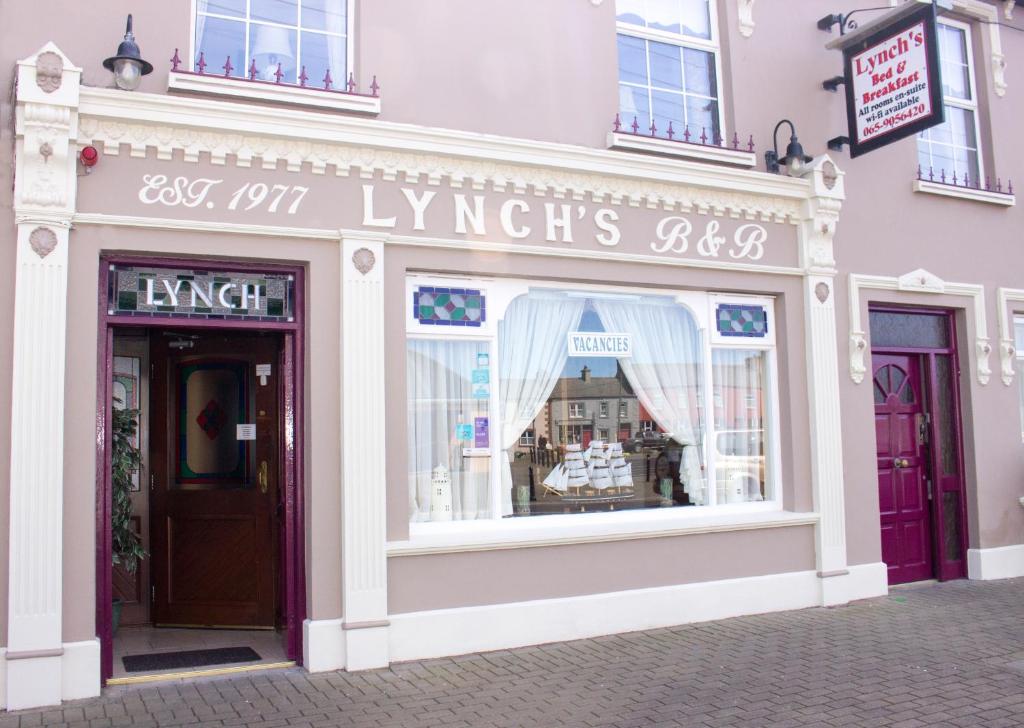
200	294
585	343
892	79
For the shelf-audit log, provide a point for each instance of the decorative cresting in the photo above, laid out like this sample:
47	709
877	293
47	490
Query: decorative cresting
46	121
1007	344
917	281
355	146
43	241
364	259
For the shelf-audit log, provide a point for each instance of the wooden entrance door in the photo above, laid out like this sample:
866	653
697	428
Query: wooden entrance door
903	488
215	486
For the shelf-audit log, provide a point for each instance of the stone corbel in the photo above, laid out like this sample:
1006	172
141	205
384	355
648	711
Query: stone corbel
1008	6
1007	344
745	12
858	352
818	226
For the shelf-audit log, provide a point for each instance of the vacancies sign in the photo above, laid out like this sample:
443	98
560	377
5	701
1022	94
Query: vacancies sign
893	84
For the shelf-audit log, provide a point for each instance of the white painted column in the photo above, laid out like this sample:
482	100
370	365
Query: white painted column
817	230
364	560
45	179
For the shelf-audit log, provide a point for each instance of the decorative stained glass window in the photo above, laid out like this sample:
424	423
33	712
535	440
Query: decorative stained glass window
203	294
435	306
741	320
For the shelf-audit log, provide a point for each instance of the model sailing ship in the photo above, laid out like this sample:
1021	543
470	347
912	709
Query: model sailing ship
598	474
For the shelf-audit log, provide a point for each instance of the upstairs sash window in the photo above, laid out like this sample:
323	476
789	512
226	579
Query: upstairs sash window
669	67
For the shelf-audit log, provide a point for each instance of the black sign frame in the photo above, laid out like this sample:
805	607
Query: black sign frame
937	116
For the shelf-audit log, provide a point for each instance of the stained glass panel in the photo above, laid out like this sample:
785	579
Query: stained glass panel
437	306
741	320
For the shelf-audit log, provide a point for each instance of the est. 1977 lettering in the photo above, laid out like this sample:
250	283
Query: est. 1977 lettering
160	189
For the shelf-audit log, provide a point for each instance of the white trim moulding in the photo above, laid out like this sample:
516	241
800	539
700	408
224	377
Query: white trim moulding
248	132
532	535
444	632
212	85
680	150
918	281
161	223
964	193
1007	343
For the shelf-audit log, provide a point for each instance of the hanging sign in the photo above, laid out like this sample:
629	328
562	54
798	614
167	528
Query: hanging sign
892	78
588	343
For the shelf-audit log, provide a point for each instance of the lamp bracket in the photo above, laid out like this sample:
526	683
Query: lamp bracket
836	143
833	84
843	20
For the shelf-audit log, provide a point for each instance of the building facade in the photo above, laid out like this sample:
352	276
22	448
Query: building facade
348	262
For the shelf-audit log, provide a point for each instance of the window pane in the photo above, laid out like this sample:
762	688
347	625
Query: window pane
702	117
321	52
444	420
579	463
663	15
630	11
961	126
952	44
218	39
696	18
891	328
700	72
668	107
328	15
633	104
276	11
222	7
271	46
665	66
632	60
739	384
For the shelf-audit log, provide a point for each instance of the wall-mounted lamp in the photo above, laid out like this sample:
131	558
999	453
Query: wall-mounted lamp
127	66
795	160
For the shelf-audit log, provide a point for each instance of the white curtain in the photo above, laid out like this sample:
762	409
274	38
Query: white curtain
202	6
738	378
337	53
664	372
441	397
532	350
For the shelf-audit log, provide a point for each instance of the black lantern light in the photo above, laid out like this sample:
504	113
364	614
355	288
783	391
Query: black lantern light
128	66
795	160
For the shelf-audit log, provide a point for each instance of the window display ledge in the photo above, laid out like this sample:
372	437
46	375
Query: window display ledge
965	193
180	81
559	530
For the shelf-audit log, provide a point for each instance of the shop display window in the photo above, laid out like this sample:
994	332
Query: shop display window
668	67
290	35
511	419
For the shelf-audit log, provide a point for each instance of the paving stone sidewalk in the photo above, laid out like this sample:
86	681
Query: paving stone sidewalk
933	655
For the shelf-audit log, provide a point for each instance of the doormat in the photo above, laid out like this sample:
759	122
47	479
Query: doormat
188	658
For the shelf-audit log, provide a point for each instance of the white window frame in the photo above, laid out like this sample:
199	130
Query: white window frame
1018	318
711	45
217	84
566	527
528	438
603	409
970	105
577	410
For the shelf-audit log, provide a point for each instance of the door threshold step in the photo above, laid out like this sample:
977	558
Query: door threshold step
205	672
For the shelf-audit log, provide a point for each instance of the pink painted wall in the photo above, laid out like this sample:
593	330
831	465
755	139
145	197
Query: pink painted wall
547	71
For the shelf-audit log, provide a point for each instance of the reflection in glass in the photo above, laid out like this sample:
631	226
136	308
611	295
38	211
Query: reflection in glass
444	418
218	39
946	415
738	380
895	328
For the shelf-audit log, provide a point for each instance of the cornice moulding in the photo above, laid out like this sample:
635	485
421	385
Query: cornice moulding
245	132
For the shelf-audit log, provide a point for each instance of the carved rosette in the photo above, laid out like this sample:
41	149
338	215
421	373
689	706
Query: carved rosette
43	241
821	292
49	71
364	260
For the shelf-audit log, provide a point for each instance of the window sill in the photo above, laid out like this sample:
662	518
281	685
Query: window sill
965	193
561	529
184	82
681	149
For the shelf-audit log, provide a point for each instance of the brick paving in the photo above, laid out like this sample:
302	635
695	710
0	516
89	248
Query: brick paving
932	655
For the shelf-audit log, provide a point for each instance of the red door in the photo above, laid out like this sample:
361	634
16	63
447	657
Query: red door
903	493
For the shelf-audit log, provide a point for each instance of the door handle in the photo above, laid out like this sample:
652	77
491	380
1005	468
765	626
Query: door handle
900	463
261	476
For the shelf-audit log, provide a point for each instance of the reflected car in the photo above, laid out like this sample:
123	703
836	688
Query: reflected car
646	439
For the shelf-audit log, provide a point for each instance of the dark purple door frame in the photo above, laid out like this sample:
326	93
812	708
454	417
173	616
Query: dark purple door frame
293	557
945	568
